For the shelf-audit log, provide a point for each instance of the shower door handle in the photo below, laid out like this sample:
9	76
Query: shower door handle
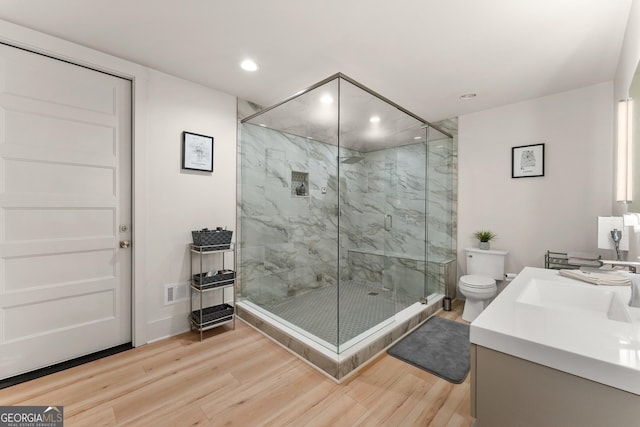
388	221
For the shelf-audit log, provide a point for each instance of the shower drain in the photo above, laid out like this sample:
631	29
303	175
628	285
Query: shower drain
372	294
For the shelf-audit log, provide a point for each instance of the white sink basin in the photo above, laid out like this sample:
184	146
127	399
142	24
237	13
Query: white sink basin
580	300
565	324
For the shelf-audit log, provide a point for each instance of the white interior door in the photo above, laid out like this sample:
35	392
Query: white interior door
65	193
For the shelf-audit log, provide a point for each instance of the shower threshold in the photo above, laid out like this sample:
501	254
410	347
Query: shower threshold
362	309
355	352
302	335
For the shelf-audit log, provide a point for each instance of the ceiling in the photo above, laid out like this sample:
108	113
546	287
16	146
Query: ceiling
421	54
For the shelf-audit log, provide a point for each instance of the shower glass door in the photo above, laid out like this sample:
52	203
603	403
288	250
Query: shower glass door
382	213
406	255
441	213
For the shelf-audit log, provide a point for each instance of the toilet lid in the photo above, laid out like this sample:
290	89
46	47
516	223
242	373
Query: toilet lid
474	281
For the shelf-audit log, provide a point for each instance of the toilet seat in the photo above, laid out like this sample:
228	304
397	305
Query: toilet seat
478	291
477	282
479	286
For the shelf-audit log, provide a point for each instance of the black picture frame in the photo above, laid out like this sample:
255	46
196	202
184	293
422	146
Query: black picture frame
197	152
527	161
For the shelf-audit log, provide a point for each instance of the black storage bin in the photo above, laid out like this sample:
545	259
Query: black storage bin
220	313
215	239
206	281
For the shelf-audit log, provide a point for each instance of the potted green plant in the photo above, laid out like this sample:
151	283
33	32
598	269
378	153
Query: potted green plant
485	237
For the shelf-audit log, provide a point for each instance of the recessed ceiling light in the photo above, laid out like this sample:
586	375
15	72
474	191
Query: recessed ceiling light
263	125
417	137
468	95
249	65
326	99
374	119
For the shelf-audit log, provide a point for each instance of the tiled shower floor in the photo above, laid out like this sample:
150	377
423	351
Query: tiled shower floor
361	308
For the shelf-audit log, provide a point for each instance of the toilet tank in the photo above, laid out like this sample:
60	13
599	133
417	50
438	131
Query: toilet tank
488	263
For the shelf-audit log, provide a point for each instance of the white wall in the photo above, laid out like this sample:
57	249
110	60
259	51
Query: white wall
532	215
179	201
168	202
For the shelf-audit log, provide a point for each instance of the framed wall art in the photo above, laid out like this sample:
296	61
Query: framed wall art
197	152
527	161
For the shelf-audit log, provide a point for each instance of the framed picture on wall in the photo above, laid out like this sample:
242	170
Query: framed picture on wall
197	152
527	161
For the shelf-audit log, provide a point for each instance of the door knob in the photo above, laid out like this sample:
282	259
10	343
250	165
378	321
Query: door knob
125	243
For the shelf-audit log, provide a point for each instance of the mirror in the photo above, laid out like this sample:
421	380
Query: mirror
634	93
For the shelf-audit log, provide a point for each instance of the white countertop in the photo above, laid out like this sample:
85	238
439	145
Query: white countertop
557	336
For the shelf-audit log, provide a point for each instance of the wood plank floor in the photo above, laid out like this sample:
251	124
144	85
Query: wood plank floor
241	378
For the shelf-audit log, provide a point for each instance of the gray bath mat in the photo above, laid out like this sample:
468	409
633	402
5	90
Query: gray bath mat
438	346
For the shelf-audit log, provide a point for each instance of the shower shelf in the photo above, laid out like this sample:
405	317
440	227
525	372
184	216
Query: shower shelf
299	184
203	314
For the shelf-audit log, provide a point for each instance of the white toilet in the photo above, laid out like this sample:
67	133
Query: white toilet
484	267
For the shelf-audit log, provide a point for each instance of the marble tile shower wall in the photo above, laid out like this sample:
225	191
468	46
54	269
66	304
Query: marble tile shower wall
443	202
442	199
392	184
289	243
395	185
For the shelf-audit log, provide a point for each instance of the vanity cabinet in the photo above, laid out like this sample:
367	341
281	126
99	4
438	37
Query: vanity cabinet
510	391
208	289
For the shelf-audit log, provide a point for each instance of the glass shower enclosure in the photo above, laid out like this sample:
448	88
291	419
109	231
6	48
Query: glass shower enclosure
345	216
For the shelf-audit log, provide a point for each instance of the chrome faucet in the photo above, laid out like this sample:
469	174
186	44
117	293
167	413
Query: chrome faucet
616	236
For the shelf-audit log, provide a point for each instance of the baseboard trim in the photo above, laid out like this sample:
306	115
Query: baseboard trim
28	376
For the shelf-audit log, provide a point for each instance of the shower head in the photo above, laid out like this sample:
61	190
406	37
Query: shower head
351	160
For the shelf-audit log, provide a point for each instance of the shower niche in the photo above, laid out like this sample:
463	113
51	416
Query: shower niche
370	160
299	184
